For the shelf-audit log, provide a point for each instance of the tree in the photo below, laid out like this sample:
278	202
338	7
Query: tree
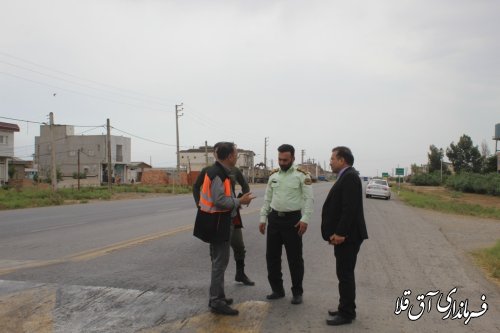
485	150
490	164
434	158
489	160
464	156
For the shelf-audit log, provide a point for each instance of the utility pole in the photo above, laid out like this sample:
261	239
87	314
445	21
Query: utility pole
206	153
266	142
79	169
178	109
53	170
108	137
38	167
441	158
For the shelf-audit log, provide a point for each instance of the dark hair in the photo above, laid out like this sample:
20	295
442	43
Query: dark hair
345	153
224	149
287	148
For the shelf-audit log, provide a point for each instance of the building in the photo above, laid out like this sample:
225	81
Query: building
90	151
195	159
6	149
136	170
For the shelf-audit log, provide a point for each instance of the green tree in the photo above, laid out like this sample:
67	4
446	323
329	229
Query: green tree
434	158
490	164
464	156
11	171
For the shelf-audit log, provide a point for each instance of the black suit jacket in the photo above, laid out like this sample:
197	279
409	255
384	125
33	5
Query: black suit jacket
342	212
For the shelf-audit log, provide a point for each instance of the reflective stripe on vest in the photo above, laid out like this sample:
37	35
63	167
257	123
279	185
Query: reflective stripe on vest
206	201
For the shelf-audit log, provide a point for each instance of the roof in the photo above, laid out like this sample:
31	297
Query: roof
9	127
139	165
210	149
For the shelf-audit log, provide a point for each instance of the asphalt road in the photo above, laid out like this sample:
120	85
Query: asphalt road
134	266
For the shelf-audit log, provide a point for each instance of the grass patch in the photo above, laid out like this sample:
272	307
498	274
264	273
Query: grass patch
446	204
11	198
490	259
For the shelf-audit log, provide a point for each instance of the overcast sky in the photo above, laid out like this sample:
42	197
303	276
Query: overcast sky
386	78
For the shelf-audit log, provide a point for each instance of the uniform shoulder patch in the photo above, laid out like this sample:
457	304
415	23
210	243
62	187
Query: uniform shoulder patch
274	171
308	181
305	172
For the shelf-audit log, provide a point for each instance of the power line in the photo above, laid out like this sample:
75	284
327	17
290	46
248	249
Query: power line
24	120
88	80
145	139
83	85
80	93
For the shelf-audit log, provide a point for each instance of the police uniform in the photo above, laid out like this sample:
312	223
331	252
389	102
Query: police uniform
288	200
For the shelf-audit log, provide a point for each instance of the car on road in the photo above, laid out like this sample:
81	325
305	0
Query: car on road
378	188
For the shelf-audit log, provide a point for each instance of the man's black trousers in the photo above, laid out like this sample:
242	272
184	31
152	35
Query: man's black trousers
346	255
281	231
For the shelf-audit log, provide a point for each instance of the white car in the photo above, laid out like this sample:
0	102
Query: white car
378	188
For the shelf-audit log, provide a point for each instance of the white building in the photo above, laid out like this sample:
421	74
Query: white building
196	159
6	148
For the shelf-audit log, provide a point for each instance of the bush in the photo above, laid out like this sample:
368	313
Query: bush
83	175
475	183
427	179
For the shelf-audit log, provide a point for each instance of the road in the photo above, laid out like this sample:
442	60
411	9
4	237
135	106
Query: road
134	266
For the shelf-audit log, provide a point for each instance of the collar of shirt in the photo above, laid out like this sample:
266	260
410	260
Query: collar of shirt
342	171
224	167
289	169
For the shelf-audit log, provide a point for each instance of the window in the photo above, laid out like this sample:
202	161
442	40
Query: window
119	153
4	139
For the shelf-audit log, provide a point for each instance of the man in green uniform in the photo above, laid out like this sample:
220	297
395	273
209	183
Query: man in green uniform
237	243
288	206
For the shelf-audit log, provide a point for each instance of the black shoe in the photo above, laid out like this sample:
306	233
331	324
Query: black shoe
224	309
228	301
242	277
276	295
338	320
334	313
297	299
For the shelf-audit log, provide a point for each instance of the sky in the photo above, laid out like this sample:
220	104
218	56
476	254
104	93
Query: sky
386	78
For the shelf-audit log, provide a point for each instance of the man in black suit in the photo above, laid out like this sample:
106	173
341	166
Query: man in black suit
343	226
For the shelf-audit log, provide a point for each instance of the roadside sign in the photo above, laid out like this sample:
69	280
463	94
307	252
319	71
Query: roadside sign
385	174
400	171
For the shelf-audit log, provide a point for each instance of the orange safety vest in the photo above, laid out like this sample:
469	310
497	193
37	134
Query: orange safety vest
207	201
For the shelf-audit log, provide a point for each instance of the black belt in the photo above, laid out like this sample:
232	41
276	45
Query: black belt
284	214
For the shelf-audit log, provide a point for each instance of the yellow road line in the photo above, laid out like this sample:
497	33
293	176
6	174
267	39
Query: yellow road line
99	252
95	253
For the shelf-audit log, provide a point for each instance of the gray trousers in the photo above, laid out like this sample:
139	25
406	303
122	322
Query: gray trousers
237	244
219	253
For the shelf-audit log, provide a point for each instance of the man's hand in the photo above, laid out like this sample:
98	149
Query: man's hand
262	228
302	227
246	198
336	239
